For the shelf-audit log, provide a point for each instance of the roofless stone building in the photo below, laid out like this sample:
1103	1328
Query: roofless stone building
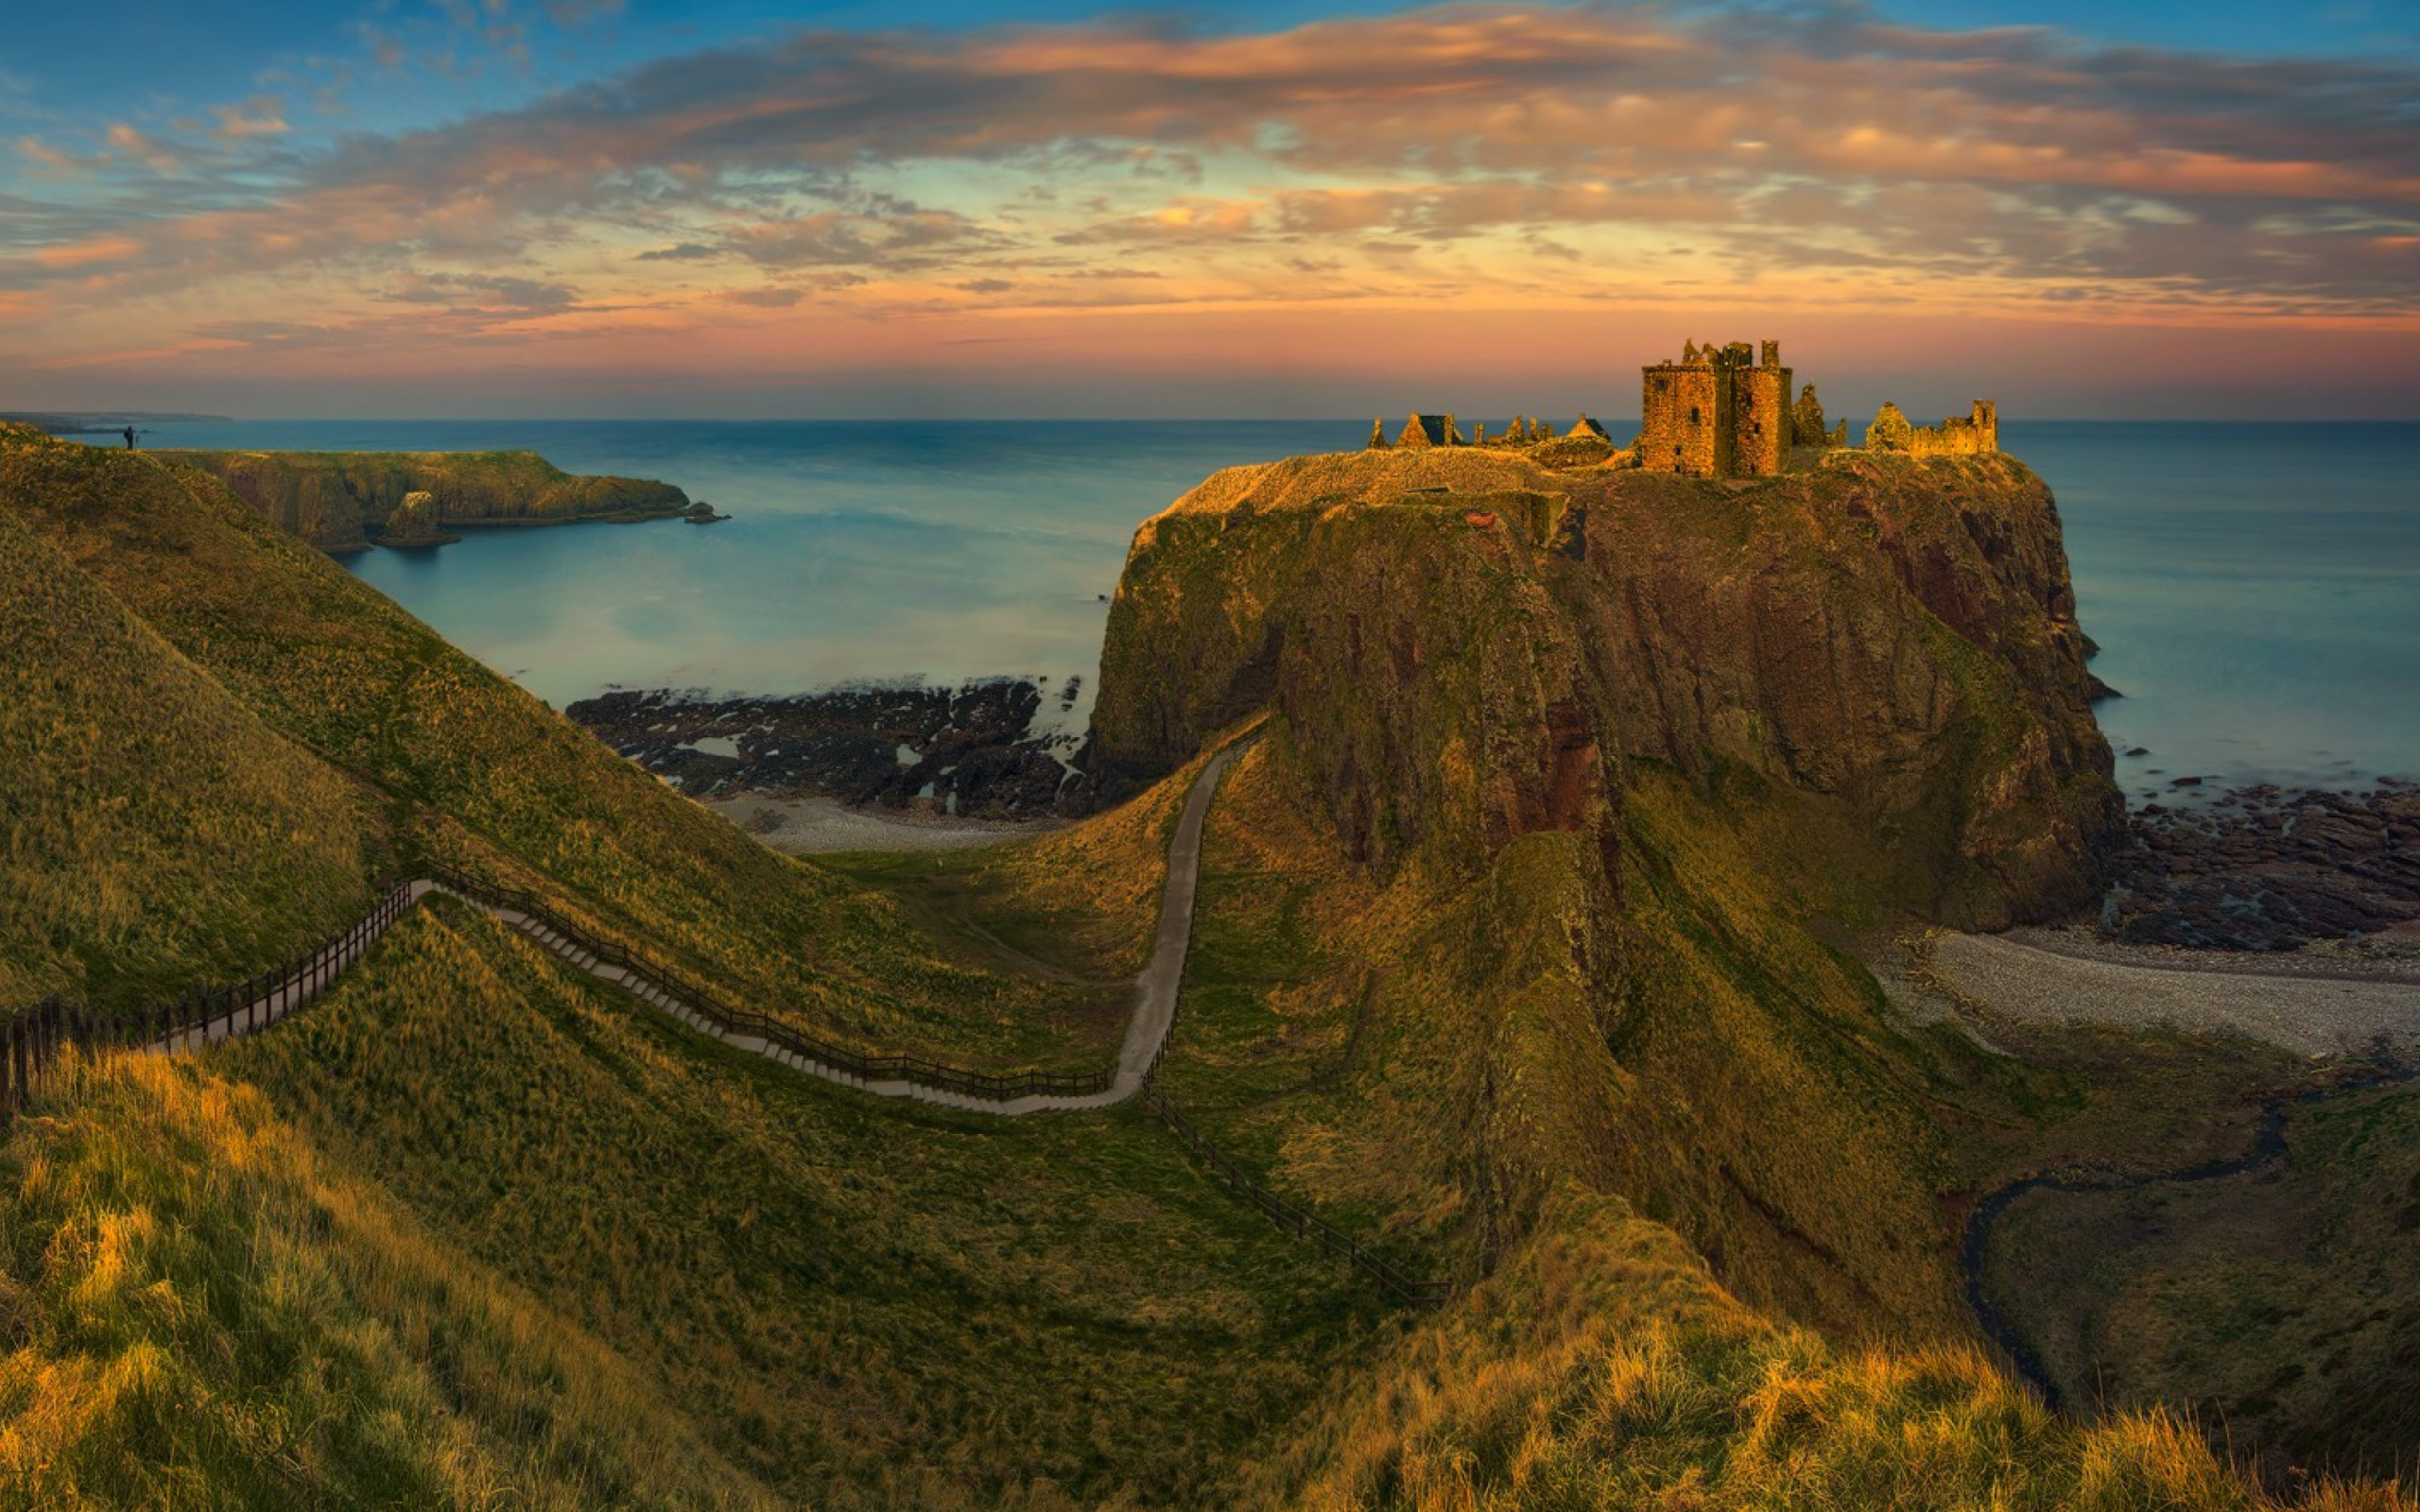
1725	412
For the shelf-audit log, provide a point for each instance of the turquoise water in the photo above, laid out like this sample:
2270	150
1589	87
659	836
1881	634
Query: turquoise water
2256	589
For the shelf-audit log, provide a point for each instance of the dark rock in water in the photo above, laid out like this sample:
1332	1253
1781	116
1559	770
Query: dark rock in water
2186	782
2268	870
2091	647
971	748
2100	691
2139	750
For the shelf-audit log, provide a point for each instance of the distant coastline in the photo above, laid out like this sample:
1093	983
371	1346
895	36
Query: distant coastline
347	502
104	423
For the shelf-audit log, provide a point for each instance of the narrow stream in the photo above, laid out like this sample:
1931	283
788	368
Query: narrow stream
2268	1149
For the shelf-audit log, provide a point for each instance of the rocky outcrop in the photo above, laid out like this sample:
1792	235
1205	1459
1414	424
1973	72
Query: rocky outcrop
2268	870
972	749
342	501
415	524
1471	647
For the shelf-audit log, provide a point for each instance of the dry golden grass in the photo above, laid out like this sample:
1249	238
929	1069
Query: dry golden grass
199	1312
1602	1368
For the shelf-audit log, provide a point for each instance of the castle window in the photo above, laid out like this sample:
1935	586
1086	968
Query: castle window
1693	414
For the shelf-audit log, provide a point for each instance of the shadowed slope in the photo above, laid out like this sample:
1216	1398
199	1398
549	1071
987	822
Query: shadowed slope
157	834
1602	1368
482	775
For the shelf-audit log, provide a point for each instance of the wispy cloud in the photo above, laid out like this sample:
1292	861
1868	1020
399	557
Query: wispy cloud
1516	156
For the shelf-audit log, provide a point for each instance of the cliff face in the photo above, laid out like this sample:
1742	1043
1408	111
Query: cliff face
1469	647
1561	762
340	501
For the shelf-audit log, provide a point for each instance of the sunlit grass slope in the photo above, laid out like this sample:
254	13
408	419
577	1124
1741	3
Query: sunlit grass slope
198	1312
864	1304
1601	1367
155	834
478	772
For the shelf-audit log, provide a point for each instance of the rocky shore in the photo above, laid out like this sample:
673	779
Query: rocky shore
972	750
2265	869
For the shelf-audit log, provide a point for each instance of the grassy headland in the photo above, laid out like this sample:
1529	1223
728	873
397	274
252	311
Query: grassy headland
466	768
343	501
1501	959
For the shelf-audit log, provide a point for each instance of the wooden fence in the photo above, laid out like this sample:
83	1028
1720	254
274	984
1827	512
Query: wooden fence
33	1041
746	1023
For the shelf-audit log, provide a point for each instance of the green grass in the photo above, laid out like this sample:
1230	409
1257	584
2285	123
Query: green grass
468	768
861	1303
155	834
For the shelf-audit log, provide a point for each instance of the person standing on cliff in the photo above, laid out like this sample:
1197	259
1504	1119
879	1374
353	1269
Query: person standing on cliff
129	437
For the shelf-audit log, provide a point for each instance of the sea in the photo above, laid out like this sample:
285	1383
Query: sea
2254	588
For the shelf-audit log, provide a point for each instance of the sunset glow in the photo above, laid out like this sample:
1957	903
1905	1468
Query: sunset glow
1281	216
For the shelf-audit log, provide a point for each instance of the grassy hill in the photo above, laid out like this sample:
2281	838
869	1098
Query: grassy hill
469	768
201	1311
474	1230
155	833
342	501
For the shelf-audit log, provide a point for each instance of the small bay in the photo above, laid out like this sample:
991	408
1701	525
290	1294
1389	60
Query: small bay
2255	587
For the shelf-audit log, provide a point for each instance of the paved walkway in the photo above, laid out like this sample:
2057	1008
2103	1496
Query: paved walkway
1147	1031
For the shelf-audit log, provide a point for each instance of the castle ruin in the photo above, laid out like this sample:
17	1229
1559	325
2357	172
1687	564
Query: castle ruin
1714	415
1975	435
1722	412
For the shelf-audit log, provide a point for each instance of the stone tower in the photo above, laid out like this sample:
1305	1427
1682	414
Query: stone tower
1716	413
1681	410
1760	418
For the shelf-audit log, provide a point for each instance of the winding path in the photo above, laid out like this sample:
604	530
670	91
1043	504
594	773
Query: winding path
216	1017
1138	1055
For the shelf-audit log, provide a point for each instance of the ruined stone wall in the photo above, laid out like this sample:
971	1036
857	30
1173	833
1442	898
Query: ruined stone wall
1760	418
1682	408
1976	434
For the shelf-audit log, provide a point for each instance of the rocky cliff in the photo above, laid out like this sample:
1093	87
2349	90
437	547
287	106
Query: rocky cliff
1566	769
343	501
1471	647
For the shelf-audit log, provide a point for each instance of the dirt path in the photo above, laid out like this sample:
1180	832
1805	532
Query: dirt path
1147	1031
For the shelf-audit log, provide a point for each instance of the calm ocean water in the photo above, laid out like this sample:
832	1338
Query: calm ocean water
2256	589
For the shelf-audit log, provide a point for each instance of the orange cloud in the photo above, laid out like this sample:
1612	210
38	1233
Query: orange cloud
1501	159
84	255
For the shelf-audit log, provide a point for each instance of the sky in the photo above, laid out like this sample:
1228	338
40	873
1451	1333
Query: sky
2141	209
